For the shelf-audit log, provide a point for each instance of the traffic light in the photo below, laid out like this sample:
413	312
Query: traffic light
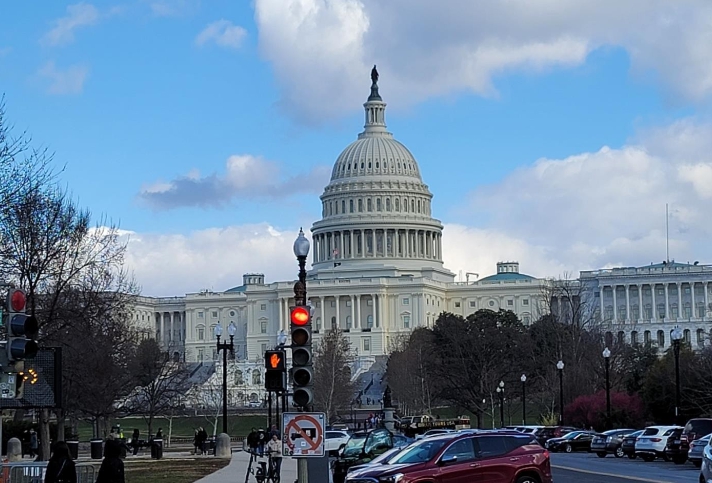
21	328
302	374
276	365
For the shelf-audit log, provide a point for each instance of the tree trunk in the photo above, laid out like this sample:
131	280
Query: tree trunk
150	425
61	423
170	431
45	446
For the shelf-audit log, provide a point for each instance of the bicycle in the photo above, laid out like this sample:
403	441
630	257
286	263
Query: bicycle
264	471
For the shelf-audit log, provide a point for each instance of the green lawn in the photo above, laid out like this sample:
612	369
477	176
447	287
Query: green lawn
183	427
172	471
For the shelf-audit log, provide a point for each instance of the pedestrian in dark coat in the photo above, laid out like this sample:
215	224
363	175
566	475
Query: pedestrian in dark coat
60	468
112	467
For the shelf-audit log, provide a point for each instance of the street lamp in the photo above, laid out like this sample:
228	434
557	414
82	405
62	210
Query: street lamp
225	347
500	393
524	397
281	338
607	358
560	367
676	336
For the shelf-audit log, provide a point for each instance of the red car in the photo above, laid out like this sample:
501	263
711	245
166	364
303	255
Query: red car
486	457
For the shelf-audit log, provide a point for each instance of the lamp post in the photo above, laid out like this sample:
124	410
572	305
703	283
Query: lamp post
676	336
225	347
500	393
560	367
607	359
301	250
524	399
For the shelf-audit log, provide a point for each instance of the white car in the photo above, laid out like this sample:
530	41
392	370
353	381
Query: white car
333	440
651	444
433	432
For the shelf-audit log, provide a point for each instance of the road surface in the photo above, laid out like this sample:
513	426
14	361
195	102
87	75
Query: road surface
589	468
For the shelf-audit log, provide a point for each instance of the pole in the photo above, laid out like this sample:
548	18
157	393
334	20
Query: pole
561	397
676	348
524	403
277	422
269	410
501	409
608	393
224	389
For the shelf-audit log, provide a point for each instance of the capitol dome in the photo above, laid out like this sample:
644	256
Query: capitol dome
376	209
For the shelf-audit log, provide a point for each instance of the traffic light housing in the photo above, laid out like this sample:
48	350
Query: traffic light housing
21	328
302	373
276	365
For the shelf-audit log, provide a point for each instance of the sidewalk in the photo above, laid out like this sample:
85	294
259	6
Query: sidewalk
237	469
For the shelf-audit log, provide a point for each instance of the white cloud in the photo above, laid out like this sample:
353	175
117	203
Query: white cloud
245	177
172	264
67	81
78	15
223	33
173	8
325	48
598	209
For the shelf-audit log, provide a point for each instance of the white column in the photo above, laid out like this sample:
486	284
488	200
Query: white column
679	300
655	308
357	320
640	301
381	299
351	244
706	298
627	302
692	304
322	301
667	303
373	242
396	244
353	312
338	315
341	244
603	313
615	304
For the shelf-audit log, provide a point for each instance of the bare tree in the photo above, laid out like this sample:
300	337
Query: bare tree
410	372
333	388
207	399
159	381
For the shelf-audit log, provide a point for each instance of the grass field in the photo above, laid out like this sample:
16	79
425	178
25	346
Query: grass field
172	471
183	427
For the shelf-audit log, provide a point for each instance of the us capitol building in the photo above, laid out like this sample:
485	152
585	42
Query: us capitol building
377	273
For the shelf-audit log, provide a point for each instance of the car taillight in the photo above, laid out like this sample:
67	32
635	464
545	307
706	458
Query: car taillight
655	440
683	437
546	453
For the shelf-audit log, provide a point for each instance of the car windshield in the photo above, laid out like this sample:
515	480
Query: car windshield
699	426
419	452
650	432
354	445
572	435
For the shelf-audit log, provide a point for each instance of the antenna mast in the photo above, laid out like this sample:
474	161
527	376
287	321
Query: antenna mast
667	234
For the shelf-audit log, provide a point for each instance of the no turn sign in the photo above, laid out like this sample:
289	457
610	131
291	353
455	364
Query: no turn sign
303	434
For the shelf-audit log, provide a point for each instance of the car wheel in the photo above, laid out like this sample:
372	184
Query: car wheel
648	458
619	452
665	457
698	464
601	455
679	460
568	448
527	479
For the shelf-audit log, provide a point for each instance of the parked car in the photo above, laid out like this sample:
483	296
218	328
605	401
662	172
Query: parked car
547	432
694	429
383	459
610	442
673	450
651	444
697	447
706	468
573	441
400	441
362	447
334	441
433	432
628	444
485	456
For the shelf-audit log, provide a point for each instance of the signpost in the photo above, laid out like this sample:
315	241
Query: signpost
303	434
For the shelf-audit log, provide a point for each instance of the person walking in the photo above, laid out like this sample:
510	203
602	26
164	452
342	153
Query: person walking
61	468
274	449
196	441
159	434
112	467
135	441
34	443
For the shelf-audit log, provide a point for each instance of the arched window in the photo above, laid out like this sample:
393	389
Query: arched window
634	338
369	321
686	335
256	377
378	204
333	323
239	379
687	310
609	339
348	321
369	206
646	337
331	208
200	332
397	204
263	326
700	309
700	337
254	397
343	206
412	206
351	206
621	337
661	339
418	206
360	205
388	204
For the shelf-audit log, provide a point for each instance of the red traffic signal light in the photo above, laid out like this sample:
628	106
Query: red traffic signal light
300	315
17	299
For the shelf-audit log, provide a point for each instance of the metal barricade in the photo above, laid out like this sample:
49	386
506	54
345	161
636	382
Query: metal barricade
34	472
87	472
27	472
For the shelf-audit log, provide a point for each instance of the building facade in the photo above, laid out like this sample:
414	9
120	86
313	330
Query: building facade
377	273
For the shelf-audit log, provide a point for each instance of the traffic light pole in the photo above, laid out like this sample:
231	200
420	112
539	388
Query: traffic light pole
300	299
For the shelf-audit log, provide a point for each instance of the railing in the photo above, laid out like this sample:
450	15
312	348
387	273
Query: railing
34	472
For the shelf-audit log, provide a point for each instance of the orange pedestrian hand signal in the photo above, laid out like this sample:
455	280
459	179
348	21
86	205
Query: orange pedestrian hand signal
274	361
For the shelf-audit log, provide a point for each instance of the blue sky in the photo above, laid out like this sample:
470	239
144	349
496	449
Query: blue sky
551	133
